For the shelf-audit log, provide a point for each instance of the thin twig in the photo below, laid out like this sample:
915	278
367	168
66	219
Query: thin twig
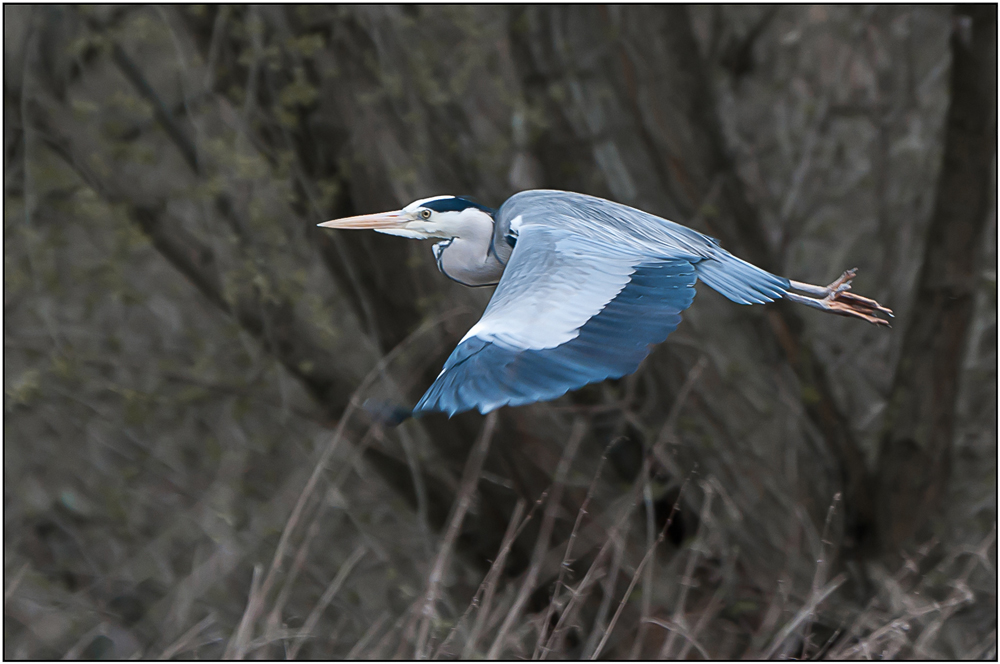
324	601
676	628
377	653
14	583
688	579
960	595
910	566
470	481
215	45
489	584
667	431
567	558
542	544
307	492
368	636
419	489
274	616
310	486
647	579
597	629
635	577
85	640
822	564
814	600
712	609
328	451
237	646
181	644
508	538
613	537
776	605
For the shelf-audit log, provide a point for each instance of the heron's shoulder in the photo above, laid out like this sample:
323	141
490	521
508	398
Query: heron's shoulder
555	207
553	197
548	201
569	209
603	221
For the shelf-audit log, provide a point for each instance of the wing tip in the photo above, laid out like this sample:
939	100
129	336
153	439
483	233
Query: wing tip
387	413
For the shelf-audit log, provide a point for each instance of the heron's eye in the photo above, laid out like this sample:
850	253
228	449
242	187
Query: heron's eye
425	214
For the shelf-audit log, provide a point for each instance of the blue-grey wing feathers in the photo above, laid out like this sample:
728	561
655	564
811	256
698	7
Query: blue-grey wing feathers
488	374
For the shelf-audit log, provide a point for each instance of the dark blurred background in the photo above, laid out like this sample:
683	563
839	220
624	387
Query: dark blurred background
184	475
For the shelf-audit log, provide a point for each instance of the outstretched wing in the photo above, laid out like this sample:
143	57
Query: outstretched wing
568	311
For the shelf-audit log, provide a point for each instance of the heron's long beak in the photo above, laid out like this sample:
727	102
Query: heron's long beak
396	219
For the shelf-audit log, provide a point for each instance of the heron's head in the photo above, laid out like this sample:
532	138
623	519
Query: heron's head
444	217
466	229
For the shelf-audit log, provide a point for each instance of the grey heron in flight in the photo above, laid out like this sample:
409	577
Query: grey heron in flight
585	288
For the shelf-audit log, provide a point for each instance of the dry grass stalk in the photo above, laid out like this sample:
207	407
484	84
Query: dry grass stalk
897	639
779	598
181	644
307	491
419	489
688	580
613	538
710	612
667	431
324	601
567	558
77	649
355	456
960	595
822	565
676	628
542	544
869	645
396	627
659	453
12	588
986	650
610	580
237	647
815	598
273	622
470	480
635	577
366	638
889	639
489	585
253	607
647	578
910	566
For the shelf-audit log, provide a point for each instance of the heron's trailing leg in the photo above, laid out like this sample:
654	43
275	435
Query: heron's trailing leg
837	298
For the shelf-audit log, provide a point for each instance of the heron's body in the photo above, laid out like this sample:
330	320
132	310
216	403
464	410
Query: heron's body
585	288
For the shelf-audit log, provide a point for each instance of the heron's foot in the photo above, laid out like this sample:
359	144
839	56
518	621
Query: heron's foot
837	299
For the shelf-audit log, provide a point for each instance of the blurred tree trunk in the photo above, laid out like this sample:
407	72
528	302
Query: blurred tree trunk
915	456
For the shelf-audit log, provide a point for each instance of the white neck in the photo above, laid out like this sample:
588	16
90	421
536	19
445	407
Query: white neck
467	258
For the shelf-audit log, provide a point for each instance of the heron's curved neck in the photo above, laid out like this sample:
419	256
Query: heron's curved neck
467	257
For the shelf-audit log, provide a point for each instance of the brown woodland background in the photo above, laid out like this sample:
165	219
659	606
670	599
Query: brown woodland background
187	473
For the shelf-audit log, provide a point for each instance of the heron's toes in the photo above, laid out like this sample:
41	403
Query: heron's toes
848	304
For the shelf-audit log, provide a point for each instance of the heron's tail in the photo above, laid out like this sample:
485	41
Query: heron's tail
740	281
